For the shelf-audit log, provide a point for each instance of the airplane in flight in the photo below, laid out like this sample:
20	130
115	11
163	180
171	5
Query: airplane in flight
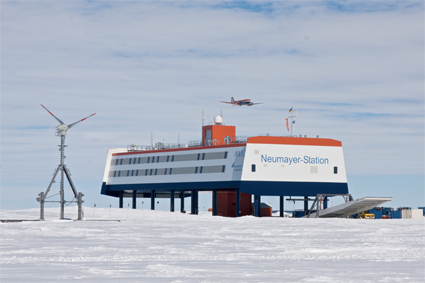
243	102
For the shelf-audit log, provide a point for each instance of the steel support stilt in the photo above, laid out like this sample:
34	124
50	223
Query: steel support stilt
134	199
153	200
305	205
257	206
121	199
281	208
182	202
172	201
214	202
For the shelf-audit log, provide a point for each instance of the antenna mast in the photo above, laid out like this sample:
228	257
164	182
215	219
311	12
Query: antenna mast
203	118
292	117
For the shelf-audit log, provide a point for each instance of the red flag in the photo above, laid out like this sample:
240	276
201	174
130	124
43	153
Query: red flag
287	125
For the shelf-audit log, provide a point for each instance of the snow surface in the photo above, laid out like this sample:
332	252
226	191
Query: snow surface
158	246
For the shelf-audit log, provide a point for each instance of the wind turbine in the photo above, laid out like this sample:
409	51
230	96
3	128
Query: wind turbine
61	131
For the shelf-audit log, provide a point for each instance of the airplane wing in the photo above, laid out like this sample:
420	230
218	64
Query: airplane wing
257	103
227	102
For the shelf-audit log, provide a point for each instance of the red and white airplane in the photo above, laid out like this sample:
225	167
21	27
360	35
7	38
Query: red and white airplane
243	102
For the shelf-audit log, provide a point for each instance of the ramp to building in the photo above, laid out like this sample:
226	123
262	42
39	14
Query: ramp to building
350	208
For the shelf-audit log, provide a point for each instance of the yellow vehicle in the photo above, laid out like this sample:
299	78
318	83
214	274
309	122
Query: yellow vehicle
365	215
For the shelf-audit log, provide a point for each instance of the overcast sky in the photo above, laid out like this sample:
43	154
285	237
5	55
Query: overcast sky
353	70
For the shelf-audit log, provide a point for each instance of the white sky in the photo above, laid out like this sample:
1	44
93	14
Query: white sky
353	71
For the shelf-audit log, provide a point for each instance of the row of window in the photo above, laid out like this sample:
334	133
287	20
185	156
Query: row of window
170	158
168	171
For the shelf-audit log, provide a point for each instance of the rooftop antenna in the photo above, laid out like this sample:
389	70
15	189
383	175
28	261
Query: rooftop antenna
203	118
61	131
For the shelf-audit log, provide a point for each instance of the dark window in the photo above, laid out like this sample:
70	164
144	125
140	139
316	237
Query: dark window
157	160
119	173
115	172
199	156
165	173
148	159
151	172
200	171
225	155
168	158
156	171
203	156
134	161
129	161
121	161
196	170
335	170
146	173
172	159
171	170
253	168
139	161
128	173
116	163
137	173
132	173
224	168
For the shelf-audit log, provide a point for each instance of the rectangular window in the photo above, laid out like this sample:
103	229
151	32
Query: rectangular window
128	173
335	170
138	161
119	173
200	171
115	173
151	172
121	161
225	155
168	158
172	160
116	163
224	168
129	162
165	172
171	170
156	171
148	159
199	155
132	172
137	173
203	156
196	170
253	168
146	173
157	159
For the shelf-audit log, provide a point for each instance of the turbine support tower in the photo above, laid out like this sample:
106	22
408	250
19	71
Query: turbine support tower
61	131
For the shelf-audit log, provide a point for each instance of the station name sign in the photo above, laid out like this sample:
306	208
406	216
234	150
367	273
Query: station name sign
294	160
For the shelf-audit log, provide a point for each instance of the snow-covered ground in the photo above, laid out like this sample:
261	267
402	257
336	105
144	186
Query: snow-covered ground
158	246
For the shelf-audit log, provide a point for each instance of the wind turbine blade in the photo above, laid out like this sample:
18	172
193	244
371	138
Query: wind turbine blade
59	120
75	123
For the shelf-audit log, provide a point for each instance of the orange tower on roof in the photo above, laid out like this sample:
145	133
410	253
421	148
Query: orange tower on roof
218	134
